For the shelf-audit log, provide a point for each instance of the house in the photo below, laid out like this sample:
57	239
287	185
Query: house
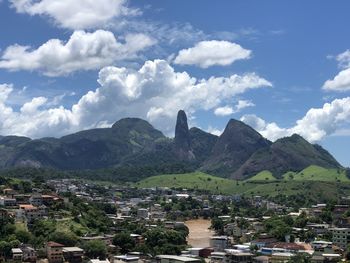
321	245
9	192
219	243
263	241
125	211
73	254
6	201
217	257
49	200
261	259
142	213
292	247
326	258
125	259
279	257
29	212
36	199
156	215
319	229
29	254
54	252
235	256
176	259
341	237
98	261
17	254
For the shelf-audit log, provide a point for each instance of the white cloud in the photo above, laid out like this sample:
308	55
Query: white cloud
214	131
341	82
154	92
344	59
228	110
32	107
242	104
209	53
223	111
77	14
314	126
83	51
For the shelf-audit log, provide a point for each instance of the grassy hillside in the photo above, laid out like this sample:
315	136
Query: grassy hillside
195	180
313	183
262	176
317	173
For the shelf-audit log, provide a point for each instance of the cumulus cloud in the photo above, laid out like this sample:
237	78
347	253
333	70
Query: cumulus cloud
314	126
83	51
341	82
228	110
154	92
77	14
242	104
223	111
209	53
344	59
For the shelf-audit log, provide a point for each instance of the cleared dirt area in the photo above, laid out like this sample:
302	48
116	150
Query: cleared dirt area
199	232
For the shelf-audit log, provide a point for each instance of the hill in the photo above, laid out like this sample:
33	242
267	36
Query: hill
262	176
317	173
310	191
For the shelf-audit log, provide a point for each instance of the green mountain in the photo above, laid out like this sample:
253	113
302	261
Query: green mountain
91	149
233	148
287	154
133	149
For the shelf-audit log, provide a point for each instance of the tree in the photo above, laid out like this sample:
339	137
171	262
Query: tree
66	238
218	225
43	228
23	235
5	249
95	249
326	216
278	228
161	241
124	241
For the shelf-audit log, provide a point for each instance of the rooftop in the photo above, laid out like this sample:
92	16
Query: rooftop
72	249
178	258
54	244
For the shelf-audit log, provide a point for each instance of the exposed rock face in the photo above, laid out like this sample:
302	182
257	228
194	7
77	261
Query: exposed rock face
233	148
182	138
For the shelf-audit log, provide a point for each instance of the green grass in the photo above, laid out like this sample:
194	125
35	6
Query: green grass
262	176
68	225
317	173
21	226
313	182
195	180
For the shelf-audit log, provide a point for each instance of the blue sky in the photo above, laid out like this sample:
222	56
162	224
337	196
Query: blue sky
282	67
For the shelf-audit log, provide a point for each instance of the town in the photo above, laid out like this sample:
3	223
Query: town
71	220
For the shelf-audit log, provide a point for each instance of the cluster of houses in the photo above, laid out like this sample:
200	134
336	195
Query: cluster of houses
26	207
238	243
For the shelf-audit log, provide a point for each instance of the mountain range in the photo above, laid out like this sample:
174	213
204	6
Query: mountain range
239	153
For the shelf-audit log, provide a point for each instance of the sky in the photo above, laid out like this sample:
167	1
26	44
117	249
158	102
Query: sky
282	67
